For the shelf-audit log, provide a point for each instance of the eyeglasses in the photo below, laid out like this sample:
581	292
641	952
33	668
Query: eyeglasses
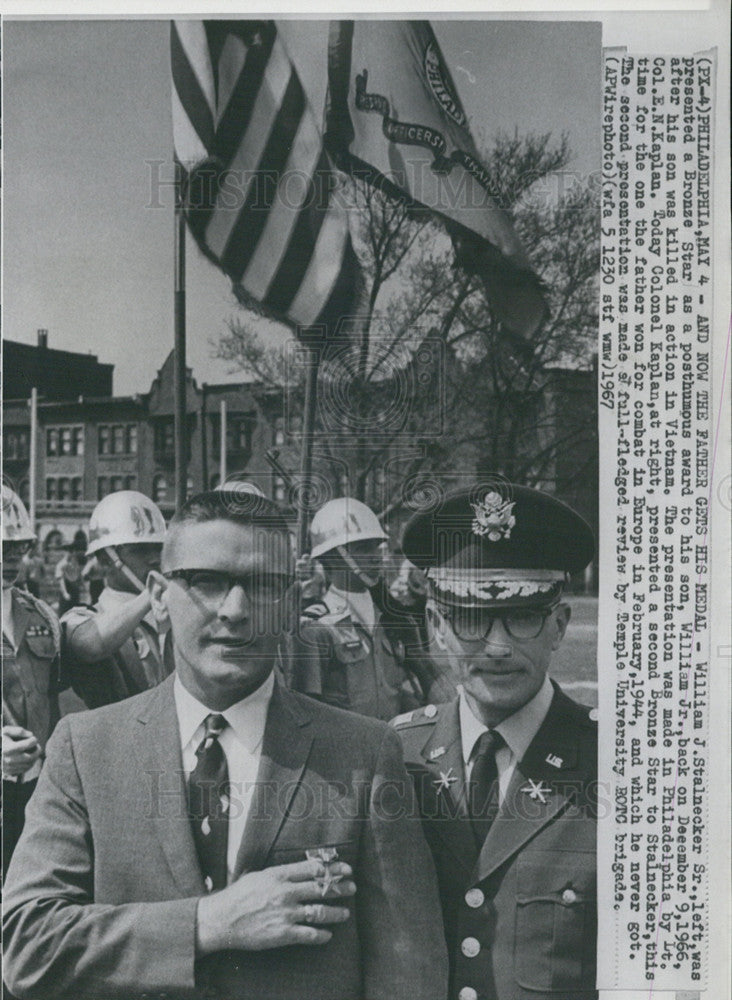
475	624
213	586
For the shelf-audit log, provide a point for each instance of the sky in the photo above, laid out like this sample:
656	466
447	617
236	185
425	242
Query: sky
87	136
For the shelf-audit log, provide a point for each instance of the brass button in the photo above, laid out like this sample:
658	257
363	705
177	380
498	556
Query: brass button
468	993
474	898
569	896
470	947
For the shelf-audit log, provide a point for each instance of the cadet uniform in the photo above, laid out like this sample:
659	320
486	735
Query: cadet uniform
352	662
140	663
31	683
518	893
123	521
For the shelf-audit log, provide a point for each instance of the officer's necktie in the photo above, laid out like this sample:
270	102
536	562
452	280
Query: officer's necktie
208	804
483	787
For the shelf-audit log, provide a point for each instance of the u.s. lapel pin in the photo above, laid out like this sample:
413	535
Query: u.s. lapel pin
437	752
535	790
446	779
554	760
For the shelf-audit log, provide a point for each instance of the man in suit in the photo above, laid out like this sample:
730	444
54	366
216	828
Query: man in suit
506	773
220	836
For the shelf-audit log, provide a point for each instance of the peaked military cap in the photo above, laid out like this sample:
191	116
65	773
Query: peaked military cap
498	545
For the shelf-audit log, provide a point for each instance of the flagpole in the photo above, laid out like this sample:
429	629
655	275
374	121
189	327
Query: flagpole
312	361
179	364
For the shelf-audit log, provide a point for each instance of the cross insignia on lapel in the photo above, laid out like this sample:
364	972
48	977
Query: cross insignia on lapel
536	790
446	779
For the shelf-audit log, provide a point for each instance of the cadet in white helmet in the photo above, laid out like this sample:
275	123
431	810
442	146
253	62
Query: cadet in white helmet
31	677
353	655
114	649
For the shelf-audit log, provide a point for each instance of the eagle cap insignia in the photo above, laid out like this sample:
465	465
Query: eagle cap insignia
493	517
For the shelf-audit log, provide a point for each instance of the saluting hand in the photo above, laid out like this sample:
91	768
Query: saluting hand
272	908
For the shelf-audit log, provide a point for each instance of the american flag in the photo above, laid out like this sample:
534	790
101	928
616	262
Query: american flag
259	194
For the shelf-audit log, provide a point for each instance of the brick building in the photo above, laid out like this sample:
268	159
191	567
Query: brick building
90	443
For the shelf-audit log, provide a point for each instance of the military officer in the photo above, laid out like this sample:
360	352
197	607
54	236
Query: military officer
506	773
351	655
30	675
114	649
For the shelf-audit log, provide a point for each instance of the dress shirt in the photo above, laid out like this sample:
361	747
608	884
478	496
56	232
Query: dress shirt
241	742
518	730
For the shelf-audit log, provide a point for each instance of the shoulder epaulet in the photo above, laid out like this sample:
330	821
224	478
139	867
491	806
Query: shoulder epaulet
418	717
322	613
314	611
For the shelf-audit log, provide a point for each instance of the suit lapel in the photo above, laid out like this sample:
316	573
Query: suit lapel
443	759
285	751
537	792
157	745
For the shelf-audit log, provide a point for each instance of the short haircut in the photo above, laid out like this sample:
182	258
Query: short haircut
238	506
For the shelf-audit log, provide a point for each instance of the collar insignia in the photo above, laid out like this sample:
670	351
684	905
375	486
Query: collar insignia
554	760
437	752
536	790
446	779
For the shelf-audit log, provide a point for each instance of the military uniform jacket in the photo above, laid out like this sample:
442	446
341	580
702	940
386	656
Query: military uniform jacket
352	666
31	671
520	914
136	666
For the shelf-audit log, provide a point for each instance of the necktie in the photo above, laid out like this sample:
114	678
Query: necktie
483	788
208	804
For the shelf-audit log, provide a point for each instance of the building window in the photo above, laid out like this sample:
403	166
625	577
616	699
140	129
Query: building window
130	482
51	489
164	437
116	483
65	441
77	491
102	487
160	488
280	490
131	439
104	440
77	434
118	439
16	444
64	488
52	441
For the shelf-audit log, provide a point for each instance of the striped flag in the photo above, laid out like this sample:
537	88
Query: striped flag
259	193
395	117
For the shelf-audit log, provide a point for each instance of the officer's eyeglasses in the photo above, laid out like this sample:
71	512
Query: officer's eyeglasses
212	586
475	624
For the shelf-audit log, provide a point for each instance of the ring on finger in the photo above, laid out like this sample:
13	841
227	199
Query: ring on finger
311	913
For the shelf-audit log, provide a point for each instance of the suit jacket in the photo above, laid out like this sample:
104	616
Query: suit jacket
520	914
102	890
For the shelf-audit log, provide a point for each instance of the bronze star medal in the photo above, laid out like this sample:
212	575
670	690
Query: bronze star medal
326	856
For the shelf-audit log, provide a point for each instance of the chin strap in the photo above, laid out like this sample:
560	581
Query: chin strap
366	580
125	570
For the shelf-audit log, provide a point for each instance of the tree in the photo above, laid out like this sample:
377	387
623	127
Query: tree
426	321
